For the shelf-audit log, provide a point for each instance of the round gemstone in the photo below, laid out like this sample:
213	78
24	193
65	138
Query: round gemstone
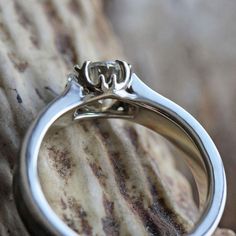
106	68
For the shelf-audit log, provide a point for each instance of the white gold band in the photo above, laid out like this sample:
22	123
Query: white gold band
133	100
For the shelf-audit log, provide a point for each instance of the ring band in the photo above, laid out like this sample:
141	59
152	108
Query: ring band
111	90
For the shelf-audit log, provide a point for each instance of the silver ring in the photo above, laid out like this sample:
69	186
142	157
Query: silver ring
111	90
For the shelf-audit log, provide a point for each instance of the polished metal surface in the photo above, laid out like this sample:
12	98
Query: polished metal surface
108	93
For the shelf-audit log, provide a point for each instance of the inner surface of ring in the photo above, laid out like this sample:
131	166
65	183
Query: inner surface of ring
163	125
159	123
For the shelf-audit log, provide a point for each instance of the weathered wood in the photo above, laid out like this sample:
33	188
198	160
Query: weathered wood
105	177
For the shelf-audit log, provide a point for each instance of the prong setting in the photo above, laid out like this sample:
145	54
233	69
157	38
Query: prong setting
103	77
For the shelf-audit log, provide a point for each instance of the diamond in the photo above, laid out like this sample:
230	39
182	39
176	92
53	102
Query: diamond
106	68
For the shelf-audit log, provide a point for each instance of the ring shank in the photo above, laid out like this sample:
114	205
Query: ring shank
154	112
178	126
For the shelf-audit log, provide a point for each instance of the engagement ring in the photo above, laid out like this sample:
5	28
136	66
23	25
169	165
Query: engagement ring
111	89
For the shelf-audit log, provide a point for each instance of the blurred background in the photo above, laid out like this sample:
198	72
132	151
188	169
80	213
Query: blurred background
186	50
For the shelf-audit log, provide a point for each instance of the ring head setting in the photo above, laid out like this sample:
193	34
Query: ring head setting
104	76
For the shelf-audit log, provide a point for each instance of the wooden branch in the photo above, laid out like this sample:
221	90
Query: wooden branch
102	177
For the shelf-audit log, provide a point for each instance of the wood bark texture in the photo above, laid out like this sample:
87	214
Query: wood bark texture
101	177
